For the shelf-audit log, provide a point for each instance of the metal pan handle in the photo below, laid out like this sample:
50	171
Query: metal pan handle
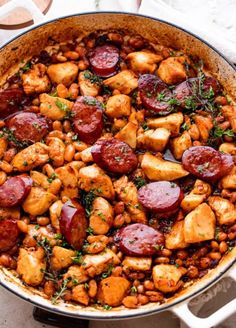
183	312
27	4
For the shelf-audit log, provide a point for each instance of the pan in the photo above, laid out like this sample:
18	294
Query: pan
31	43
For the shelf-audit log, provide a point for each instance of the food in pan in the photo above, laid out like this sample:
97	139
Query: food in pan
117	181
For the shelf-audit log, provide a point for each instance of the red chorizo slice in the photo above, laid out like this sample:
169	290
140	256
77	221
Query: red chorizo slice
28	182
13	192
227	164
104	60
139	240
73	223
10	99
195	91
186	93
160	197
210	83
115	156
88	120
154	94
96	152
204	162
29	127
8	234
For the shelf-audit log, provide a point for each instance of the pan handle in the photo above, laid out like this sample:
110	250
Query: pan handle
27	4
183	312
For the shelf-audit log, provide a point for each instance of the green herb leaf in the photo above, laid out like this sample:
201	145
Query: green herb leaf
145	126
78	258
108	272
219	133
139	182
107	307
89	230
60	292
52	177
27	67
158	247
133	289
94	79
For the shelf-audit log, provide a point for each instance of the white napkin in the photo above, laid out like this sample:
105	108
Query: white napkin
212	20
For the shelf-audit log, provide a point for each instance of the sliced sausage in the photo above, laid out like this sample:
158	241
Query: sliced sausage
104	60
13	192
114	156
8	234
139	240
154	94
194	91
29	127
10	99
160	197
28	182
88	121
186	93
204	162
73	223
227	164
97	154
210	83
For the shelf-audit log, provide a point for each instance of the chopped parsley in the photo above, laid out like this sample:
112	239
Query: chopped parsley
86	285
145	126
208	94
36	126
58	236
106	90
25	163
173	102
158	247
9	134
107	307
133	289
134	97
201	168
94	79
89	230
87	200
190	103
62	106
26	67
108	272
102	216
217	232
52	177
160	96
185	126
78	258
36	227
75	137
90	101
117	158
219	133
139	182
